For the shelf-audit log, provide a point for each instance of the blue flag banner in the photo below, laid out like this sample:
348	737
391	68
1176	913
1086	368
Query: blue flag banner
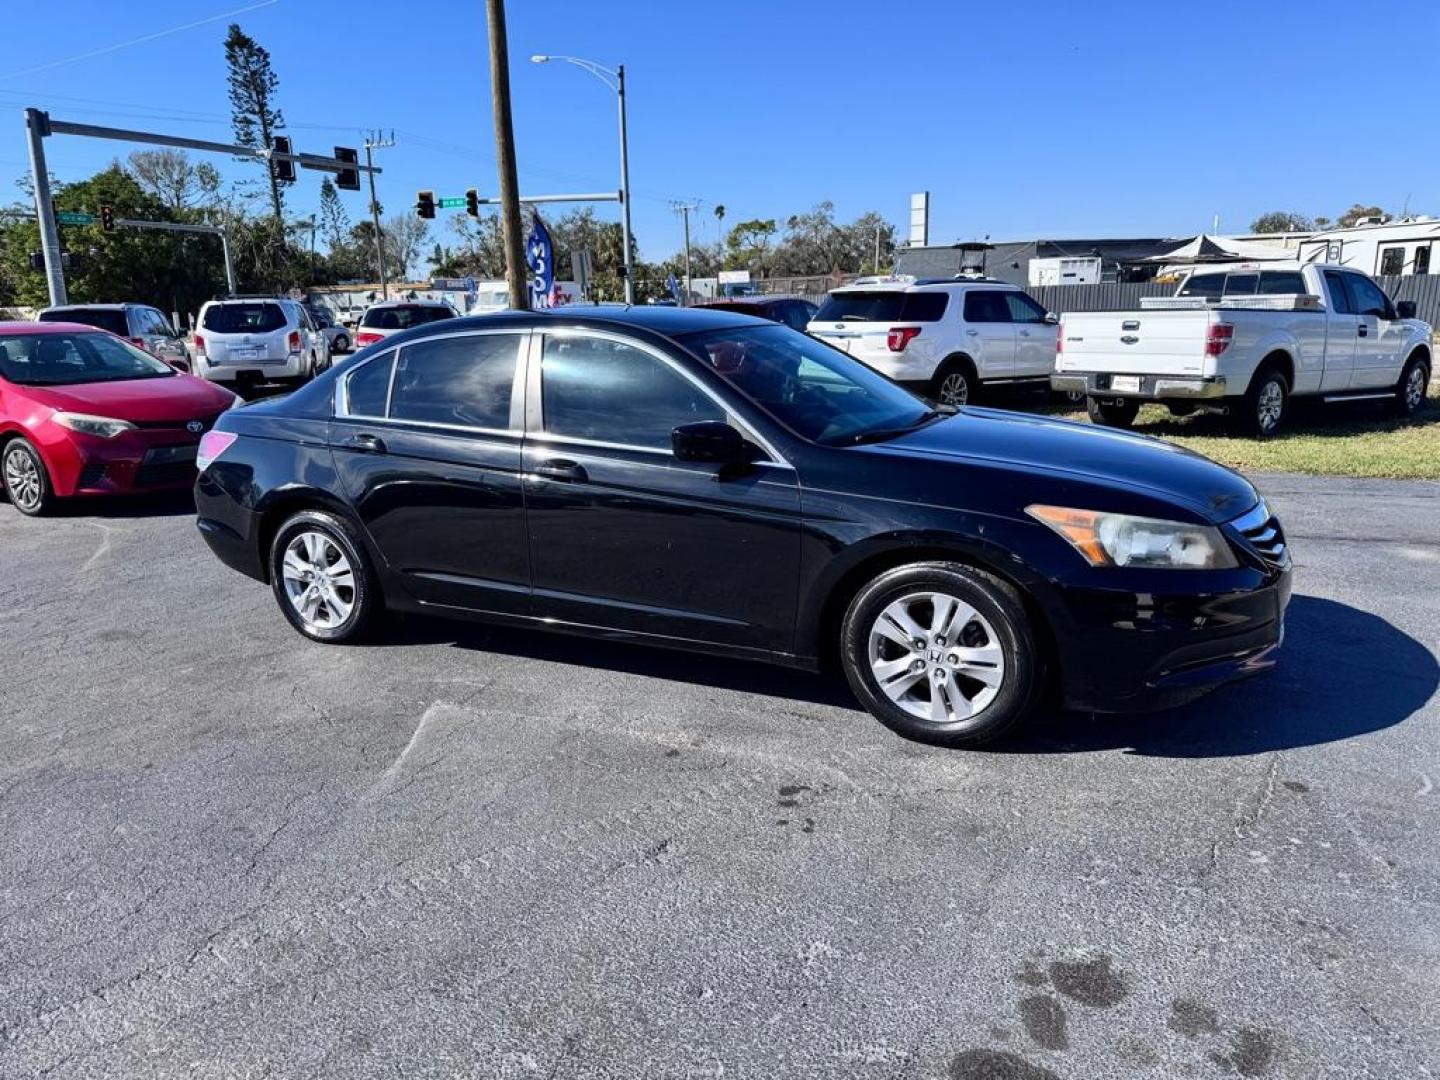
540	257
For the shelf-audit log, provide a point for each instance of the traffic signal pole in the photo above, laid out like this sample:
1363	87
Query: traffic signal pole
35	126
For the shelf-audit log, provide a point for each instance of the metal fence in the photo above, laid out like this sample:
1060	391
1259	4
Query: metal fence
1117	296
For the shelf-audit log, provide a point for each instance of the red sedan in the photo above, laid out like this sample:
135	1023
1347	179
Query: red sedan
83	412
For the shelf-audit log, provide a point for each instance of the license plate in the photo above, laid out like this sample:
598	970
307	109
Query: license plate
168	455
1125	383
241	352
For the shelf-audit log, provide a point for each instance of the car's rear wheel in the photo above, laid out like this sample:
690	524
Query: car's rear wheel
1112	412
942	653
342	344
1261	412
954	383
323	579
25	479
1410	390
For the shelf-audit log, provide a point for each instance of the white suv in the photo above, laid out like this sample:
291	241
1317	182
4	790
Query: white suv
258	340
947	337
391	316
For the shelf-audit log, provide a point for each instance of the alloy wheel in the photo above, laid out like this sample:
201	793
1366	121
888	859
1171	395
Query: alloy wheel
1270	405
22	480
937	658
954	389
1415	388
319	580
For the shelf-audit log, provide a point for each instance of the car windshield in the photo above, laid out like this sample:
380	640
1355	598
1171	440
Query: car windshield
404	316
819	393
104	318
64	359
244	318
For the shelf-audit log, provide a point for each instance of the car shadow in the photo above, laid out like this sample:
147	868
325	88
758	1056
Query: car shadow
1342	673
159	504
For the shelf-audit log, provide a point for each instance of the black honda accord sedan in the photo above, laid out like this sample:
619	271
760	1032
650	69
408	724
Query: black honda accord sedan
708	481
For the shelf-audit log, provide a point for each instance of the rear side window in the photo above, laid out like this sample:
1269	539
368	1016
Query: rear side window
258	318
1281	283
100	318
986	306
1209	285
463	380
404	316
367	389
888	306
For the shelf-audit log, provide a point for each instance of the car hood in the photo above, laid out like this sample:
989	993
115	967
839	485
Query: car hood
176	397
1082	451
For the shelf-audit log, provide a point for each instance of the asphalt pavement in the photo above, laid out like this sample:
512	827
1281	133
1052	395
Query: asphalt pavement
228	852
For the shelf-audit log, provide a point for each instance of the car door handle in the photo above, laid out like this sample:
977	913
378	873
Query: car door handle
973	333
561	469
366	443
1362	331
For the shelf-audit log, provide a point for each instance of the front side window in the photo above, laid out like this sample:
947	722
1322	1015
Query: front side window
367	388
1369	300
244	318
1023	309
465	380
818	392
68	359
606	390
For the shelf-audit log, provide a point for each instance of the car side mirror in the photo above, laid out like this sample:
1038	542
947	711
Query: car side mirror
1405	309
711	441
1052	318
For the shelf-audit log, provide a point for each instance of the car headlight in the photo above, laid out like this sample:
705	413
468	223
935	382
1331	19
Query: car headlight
103	426
1125	540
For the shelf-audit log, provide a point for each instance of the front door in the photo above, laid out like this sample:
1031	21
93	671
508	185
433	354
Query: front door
622	533
427	441
989	333
1377	355
1034	337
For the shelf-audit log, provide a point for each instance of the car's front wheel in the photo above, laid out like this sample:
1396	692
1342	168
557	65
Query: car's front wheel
1410	390
942	653
26	481
323	579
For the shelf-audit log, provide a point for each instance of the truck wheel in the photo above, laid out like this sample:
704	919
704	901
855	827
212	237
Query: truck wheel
1261	412
1112	412
1410	390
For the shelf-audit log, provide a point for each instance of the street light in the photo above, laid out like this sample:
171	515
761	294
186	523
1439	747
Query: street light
605	75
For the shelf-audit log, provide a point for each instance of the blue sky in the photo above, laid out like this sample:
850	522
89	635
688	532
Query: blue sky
1022	120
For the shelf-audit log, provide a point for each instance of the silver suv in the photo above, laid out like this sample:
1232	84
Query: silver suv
946	337
141	324
258	340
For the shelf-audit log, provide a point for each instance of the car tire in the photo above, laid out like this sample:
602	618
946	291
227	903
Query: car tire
1262	411
955	383
1414	383
342	344
323	579
986	684
23	476
1112	412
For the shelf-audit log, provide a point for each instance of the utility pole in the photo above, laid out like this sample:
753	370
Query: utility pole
625	192
36	125
373	143
877	249
684	209
515	270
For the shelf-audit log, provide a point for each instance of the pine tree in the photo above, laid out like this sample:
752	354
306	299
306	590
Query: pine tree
334	222
252	90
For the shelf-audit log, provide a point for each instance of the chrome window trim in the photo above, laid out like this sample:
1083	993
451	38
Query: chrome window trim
776	459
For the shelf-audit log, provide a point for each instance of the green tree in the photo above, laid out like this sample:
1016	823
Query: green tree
1282	221
748	243
253	113
1358	212
334	221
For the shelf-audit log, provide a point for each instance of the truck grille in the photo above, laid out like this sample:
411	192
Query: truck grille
1263	535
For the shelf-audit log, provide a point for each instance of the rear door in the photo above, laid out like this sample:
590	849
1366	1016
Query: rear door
1343	330
989	333
1034	337
427	441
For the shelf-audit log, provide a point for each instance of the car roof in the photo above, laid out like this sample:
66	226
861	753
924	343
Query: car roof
666	322
410	303
10	329
249	300
904	283
96	307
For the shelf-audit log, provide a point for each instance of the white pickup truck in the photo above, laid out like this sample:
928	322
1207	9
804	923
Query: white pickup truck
1247	340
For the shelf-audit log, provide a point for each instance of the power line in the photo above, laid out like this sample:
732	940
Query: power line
140	40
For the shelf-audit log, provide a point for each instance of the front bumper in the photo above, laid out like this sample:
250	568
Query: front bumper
1151	387
155	459
1126	650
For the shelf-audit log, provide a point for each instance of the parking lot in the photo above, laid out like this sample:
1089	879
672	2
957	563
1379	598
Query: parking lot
475	852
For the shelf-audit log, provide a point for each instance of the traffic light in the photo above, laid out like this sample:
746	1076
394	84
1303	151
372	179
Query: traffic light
472	202
347	179
282	168
107	218
425	203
